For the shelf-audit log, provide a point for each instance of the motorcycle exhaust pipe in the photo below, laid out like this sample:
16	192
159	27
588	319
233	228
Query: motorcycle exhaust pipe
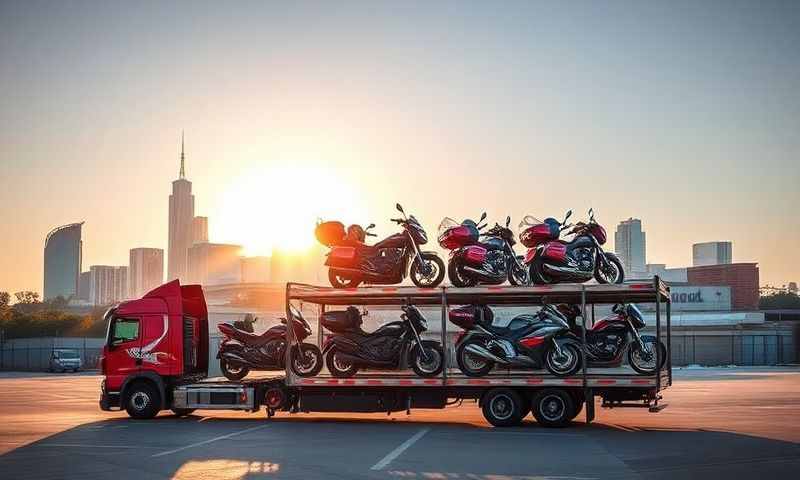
482	352
232	357
483	273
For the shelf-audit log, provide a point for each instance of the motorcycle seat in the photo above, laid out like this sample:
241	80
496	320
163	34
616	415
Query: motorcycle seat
259	340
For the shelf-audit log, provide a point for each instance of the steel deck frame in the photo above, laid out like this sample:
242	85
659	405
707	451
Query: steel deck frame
644	292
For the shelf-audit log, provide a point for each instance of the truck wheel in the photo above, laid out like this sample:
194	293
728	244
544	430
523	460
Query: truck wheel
553	407
142	401
503	407
182	412
231	371
339	368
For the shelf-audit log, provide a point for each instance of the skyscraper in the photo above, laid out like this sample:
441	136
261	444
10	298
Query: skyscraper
712	253
63	249
145	270
199	230
214	264
630	245
181	215
107	284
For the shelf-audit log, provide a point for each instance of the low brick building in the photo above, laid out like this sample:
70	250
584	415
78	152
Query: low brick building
741	277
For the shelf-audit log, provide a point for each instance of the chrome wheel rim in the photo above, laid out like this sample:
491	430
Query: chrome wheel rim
609	272
140	400
638	357
563	362
340	364
305	363
502	407
552	407
233	369
426	272
473	362
433	362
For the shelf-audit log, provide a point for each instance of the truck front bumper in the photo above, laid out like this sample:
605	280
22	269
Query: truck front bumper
108	400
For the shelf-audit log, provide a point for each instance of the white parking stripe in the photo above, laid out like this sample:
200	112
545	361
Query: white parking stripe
211	440
399	450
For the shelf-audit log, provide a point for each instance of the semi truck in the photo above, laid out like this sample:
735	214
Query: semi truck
156	358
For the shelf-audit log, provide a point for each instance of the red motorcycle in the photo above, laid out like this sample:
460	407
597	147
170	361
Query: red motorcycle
552	260
352	262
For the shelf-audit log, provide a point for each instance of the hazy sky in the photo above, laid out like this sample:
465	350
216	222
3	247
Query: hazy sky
684	114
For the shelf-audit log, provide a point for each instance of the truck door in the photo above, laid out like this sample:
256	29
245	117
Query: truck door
124	343
156	354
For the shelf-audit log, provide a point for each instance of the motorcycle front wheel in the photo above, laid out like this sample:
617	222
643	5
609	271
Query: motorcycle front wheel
517	275
610	273
433	365
339	281
309	363
428	277
563	365
233	371
645	363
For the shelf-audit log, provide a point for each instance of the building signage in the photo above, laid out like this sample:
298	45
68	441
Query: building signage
691	298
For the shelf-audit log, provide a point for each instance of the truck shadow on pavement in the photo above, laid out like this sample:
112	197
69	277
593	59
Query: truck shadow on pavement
307	447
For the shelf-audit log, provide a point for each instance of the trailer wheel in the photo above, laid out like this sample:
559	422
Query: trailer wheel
503	407
182	412
142	400
553	407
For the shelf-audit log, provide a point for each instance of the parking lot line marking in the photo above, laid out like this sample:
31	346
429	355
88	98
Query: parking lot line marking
210	440
399	450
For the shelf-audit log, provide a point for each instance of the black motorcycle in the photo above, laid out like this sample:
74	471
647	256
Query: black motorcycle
352	262
552	260
392	346
241	351
611	338
488	260
529	341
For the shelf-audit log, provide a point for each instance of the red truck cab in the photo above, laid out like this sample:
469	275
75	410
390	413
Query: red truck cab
154	344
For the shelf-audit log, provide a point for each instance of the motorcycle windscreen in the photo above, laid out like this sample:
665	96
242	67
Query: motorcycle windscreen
341	257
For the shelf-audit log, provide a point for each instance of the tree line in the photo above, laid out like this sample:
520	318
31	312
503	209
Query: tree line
31	317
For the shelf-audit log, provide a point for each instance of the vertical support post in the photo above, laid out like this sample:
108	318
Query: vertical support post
587	392
445	345
289	337
320	333
669	336
657	286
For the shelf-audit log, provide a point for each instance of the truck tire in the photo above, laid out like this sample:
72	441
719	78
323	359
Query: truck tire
553	407
142	400
182	412
503	407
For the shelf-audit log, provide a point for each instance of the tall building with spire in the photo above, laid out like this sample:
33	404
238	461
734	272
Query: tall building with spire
181	215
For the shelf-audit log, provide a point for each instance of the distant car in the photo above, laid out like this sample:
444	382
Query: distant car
63	359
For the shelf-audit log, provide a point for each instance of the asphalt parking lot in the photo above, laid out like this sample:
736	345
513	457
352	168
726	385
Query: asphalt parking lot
720	423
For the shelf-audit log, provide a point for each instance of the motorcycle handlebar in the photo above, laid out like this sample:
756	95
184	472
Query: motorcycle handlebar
370	234
397	220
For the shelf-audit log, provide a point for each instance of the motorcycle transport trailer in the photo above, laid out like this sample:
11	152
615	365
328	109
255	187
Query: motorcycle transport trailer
163	362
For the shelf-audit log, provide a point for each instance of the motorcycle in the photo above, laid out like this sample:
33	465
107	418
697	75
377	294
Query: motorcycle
392	346
529	341
351	261
473	261
241	351
611	338
552	260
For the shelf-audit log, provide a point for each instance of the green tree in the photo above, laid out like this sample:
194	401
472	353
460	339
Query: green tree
27	297
782	300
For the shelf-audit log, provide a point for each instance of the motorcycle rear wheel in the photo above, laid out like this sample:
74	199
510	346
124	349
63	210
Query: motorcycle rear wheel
456	277
470	364
338	281
233	372
537	275
338	367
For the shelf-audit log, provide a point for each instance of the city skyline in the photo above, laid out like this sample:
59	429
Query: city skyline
630	105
